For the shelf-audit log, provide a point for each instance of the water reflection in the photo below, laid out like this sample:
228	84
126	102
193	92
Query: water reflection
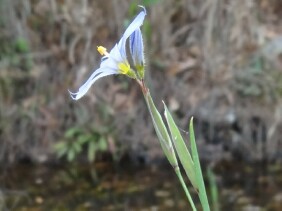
105	186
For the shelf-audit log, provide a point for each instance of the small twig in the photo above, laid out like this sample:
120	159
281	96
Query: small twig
72	48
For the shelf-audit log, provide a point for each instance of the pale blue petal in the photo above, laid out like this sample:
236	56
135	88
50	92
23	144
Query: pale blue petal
115	54
136	23
94	77
108	62
113	59
136	47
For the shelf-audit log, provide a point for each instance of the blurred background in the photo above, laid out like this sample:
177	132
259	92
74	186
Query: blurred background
217	60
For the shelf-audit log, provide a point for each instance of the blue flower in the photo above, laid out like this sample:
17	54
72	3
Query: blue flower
116	62
137	53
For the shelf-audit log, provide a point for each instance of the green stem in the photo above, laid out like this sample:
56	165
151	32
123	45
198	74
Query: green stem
164	139
178	173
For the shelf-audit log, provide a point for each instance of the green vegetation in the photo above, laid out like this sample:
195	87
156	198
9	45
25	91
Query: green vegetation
76	140
191	164
213	190
15	53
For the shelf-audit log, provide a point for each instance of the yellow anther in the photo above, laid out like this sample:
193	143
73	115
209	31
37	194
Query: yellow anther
102	50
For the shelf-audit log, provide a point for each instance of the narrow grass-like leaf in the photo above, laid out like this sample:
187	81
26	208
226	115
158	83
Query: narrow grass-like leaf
71	154
91	151
61	149
166	143
213	190
77	147
181	148
102	143
72	132
199	176
161	131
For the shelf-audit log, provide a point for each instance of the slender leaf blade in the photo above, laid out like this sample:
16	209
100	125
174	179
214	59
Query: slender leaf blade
213	190
102	143
71	154
181	148
161	131
91	151
199	176
166	143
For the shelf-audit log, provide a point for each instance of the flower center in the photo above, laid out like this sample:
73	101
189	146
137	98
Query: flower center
124	68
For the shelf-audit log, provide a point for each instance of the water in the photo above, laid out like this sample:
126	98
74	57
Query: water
105	186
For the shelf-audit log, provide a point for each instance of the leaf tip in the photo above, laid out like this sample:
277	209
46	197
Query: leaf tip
191	120
165	107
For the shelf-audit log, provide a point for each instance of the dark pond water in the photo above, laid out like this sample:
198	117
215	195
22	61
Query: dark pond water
153	187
